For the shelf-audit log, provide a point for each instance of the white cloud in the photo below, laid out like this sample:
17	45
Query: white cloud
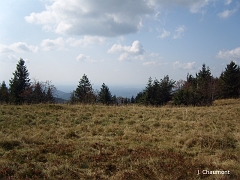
87	40
153	59
135	48
105	17
56	44
179	32
18	48
178	65
227	2
227	13
164	34
151	63
82	57
135	51
90	17
195	6
233	54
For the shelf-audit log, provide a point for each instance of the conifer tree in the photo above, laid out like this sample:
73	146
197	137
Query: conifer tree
230	81
204	86
114	99
156	92
49	95
104	95
4	94
84	92
19	83
132	100
196	91
37	93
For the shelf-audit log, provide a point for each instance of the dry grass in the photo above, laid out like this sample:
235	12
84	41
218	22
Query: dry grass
119	142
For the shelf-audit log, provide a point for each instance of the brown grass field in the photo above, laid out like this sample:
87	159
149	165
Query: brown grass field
53	141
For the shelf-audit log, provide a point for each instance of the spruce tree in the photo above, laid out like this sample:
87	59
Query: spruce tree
132	100
19	83
114	99
230	81
37	93
104	95
204	86
197	91
49	96
4	94
84	91
156	92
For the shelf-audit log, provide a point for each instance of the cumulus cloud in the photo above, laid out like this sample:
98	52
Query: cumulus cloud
179	32
18	48
178	65
82	57
87	40
164	34
135	51
233	54
227	13
61	44
55	44
90	17
105	17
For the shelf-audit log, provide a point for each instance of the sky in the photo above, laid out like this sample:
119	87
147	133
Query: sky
117	42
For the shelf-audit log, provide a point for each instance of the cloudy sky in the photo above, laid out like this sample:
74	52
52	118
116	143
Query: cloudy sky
118	42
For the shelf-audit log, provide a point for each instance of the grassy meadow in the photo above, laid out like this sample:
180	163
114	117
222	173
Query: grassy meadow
53	141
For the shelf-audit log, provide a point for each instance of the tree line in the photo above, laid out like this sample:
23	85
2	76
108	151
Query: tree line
199	90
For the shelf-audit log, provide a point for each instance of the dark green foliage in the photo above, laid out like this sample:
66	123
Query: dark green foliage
132	100
37	93
204	86
104	95
114	99
84	92
140	98
42	92
23	91
49	95
230	81
19	83
199	91
156	92
4	94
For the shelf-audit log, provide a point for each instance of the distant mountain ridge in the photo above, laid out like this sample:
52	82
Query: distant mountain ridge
62	95
118	91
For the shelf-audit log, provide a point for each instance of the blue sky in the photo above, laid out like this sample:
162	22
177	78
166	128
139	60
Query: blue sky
118	42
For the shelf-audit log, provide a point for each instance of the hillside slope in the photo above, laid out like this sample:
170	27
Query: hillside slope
119	142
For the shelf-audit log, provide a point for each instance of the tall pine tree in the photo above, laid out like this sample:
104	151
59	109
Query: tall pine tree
84	92
4	94
230	81
197	91
104	95
19	83
204	86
